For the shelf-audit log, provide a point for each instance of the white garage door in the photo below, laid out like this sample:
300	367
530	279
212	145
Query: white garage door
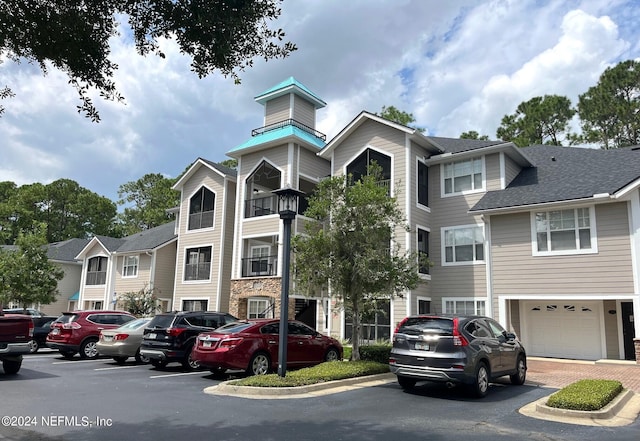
562	329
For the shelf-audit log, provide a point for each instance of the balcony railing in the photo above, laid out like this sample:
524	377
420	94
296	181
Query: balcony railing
96	278
201	220
197	271
261	206
260	266
289	122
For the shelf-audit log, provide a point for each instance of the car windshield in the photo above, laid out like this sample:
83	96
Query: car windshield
420	325
135	324
234	327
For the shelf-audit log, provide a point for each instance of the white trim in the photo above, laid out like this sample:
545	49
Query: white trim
633	209
488	265
236	249
221	248
124	261
264	234
503	172
409	214
291	104
592	231
465	299
482	189
191	298
443	256
307	177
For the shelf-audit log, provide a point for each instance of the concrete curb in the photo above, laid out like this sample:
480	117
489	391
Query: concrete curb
225	388
621	411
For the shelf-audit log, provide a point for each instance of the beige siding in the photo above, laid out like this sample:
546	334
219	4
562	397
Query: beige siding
312	165
516	270
277	156
399	311
93	293
135	283
165	269
67	287
611	330
511	169
304	112
277	110
261	226
492	167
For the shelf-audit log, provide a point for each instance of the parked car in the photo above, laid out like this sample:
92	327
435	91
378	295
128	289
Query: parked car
169	337
24	311
78	331
456	349
41	328
123	342
16	330
252	345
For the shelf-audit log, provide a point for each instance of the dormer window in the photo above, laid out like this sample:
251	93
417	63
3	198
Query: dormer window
201	206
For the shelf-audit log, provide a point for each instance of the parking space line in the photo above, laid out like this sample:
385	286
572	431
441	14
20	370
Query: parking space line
178	375
116	367
78	361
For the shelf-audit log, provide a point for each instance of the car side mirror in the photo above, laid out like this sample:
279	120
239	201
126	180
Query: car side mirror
510	336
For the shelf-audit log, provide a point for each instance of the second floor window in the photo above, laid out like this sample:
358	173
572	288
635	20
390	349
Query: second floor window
359	166
462	176
97	271
130	266
564	232
463	244
423	184
423	250
201	207
198	264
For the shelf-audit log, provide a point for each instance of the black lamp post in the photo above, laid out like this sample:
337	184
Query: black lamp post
287	208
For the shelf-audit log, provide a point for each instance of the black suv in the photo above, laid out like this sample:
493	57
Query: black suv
456	349
170	336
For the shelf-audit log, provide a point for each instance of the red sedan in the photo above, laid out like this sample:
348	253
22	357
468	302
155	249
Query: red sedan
252	345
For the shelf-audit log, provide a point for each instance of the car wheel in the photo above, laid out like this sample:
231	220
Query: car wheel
11	367
141	358
68	354
88	349
331	355
190	363
120	360
259	364
33	346
480	386
406	383
159	364
521	372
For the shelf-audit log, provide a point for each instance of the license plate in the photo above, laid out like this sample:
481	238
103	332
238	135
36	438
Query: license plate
422	346
206	344
108	337
55	331
152	336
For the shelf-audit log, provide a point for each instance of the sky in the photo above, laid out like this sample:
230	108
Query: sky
456	65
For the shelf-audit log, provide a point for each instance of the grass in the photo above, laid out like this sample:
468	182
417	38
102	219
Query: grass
329	371
587	395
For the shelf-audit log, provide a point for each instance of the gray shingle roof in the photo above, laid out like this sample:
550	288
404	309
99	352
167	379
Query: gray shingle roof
564	174
221	168
148	239
67	250
455	145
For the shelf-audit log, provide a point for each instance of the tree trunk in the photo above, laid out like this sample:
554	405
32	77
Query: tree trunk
355	337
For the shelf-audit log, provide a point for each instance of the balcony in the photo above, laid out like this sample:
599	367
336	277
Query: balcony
200	220
289	122
260	266
261	206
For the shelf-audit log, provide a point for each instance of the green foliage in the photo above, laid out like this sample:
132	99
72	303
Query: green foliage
230	163
141	303
73	36
393	114
586	395
378	353
67	209
472	134
329	371
610	110
149	198
26	275
347	352
355	252
541	120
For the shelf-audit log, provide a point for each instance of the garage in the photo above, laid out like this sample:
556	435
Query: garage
562	328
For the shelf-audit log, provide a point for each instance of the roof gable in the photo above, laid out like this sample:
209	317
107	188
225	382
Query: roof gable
200	162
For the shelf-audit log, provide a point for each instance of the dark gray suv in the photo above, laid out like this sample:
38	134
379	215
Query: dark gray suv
456	349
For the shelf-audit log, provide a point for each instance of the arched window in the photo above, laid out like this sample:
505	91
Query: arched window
201	206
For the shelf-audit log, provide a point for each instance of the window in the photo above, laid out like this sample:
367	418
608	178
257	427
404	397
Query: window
564	232
423	184
130	266
195	305
97	271
424	306
423	250
260	260
259	308
359	166
463	244
201	207
198	264
463	176
260	200
375	323
464	306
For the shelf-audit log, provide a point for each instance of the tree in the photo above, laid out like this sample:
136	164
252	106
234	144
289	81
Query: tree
26	274
230	163
354	251
141	303
151	196
472	134
399	116
610	110
541	120
73	36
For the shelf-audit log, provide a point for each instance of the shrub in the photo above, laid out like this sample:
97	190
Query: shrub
346	352
586	395
378	352
332	370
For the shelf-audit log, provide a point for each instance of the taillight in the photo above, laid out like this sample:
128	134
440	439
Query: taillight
392	360
31	328
72	325
458	339
230	342
120	337
174	332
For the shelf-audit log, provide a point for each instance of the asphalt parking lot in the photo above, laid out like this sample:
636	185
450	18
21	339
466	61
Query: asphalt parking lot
99	400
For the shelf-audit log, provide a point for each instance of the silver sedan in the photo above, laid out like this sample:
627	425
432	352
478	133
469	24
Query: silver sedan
123	342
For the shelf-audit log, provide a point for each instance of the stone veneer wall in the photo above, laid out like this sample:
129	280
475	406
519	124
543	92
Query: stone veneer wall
242	289
636	342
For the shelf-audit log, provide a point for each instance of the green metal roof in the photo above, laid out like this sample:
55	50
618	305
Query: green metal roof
286	86
280	133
